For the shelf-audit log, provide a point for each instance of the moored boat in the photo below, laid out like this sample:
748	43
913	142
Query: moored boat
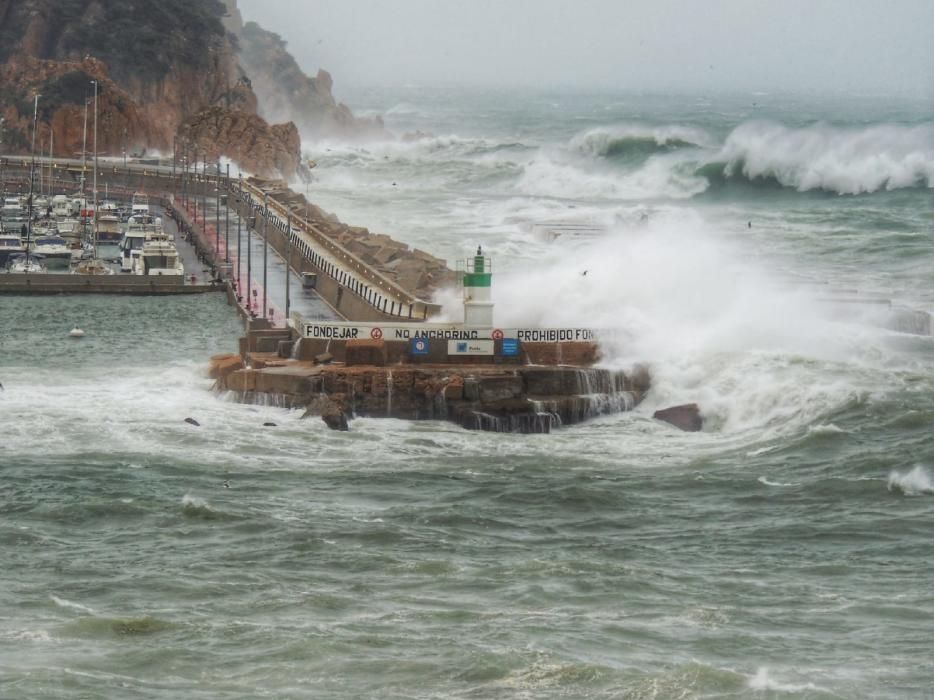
54	251
26	263
108	228
10	245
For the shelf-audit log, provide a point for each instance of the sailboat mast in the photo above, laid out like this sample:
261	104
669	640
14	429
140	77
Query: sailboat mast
32	174
95	168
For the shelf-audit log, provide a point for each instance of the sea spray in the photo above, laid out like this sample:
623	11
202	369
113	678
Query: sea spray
717	325
915	482
825	157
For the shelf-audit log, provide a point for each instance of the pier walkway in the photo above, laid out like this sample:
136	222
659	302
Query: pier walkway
325	281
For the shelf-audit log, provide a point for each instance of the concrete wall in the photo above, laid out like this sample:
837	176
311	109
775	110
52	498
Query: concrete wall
51	283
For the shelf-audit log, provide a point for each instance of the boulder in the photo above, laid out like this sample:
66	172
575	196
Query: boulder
687	417
335	418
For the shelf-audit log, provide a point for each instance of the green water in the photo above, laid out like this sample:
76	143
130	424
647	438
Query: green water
782	552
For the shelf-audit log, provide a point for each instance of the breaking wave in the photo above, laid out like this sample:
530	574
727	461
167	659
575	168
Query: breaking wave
635	140
824	157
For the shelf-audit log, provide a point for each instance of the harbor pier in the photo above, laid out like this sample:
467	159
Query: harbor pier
346	332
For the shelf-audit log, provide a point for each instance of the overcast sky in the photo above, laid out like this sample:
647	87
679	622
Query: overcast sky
855	46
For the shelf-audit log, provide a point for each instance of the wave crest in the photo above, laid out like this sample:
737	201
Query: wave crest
825	157
638	141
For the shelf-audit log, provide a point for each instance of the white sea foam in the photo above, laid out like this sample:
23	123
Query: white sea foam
826	429
915	482
63	603
842	160
765	480
552	174
763	680
718	326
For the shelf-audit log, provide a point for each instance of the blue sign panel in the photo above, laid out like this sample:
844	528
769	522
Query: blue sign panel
420	346
510	347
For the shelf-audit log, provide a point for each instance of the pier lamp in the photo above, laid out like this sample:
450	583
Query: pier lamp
226	198
250	226
2	160
237	201
265	250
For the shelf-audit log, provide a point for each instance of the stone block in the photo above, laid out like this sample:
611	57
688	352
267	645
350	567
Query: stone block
267	343
365	352
500	388
242	380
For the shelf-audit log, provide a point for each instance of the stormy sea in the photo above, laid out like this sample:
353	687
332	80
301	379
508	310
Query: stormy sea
769	256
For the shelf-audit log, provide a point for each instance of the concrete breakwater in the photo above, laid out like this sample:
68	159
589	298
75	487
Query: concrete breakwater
501	398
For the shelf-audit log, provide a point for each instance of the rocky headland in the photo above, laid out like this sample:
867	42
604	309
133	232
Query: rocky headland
171	74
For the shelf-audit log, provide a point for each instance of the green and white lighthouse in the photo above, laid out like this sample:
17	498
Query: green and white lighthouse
478	303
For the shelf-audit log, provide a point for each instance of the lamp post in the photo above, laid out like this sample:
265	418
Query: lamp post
226	199
265	248
249	260
124	148
288	264
84	147
2	160
204	194
217	227
239	218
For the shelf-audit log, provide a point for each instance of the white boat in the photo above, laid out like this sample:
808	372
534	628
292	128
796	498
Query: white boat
42	206
26	264
137	230
108	228
61	206
10	245
139	204
54	251
12	209
71	230
159	256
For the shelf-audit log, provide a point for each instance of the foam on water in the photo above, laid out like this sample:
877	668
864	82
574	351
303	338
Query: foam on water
825	157
63	603
764	681
915	482
716	324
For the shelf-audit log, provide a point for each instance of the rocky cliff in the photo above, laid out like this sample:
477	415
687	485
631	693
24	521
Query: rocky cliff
285	92
169	76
